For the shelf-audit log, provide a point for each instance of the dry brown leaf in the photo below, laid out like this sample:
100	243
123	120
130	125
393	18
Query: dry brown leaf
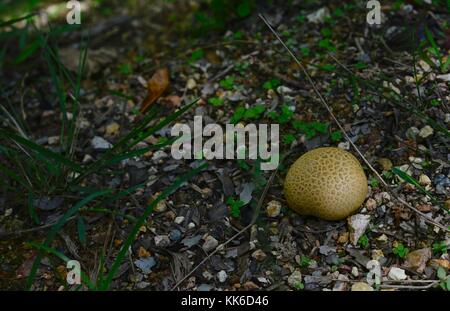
156	86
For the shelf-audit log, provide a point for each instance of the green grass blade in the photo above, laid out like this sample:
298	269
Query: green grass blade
411	180
32	209
57	227
14	176
16	20
41	150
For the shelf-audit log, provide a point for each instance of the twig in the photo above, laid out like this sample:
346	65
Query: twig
319	231
222	246
316	90
25	231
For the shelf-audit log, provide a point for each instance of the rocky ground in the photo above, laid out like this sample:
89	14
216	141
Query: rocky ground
392	101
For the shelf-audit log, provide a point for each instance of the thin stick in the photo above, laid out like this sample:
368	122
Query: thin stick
316	90
25	231
222	246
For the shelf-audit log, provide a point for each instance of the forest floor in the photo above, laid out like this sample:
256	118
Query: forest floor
391	95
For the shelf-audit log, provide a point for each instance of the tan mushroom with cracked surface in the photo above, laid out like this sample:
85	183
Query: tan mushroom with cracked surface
327	182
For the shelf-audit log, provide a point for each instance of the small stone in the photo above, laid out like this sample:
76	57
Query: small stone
344	145
385	164
343	238
142	285
382	238
358	224
249	285
207	275
162	241
361	287
222	276
175	235
445	77
87	158
161	206
371	204
210	244
191	84
426	131
436	263
112	129
397	274
191	225
8	212
382	197
53	140
424	180
425	208
145	264
412	133
418	259
425	66
318	16
295	279
355	272
204	287
259	255
178	220
100	143
447	118
341	286
273	208
158	155
377	254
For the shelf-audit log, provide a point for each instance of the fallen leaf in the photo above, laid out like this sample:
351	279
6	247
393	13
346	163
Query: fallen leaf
418	259
156	86
143	252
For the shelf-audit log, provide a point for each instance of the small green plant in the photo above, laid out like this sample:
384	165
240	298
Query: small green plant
216	101
196	55
235	207
374	183
288	139
305	51
444	279
242	67
310	129
326	32
252	113
400	250
304	261
126	69
227	83
271	84
299	286
327	67
433	50
363	241
336	136
284	116
439	247
326	44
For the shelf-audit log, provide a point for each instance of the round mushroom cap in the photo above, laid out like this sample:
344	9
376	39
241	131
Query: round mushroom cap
328	183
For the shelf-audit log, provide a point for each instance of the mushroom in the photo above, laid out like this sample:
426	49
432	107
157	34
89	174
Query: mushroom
328	183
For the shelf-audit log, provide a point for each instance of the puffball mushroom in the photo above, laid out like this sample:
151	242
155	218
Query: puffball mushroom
328	183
